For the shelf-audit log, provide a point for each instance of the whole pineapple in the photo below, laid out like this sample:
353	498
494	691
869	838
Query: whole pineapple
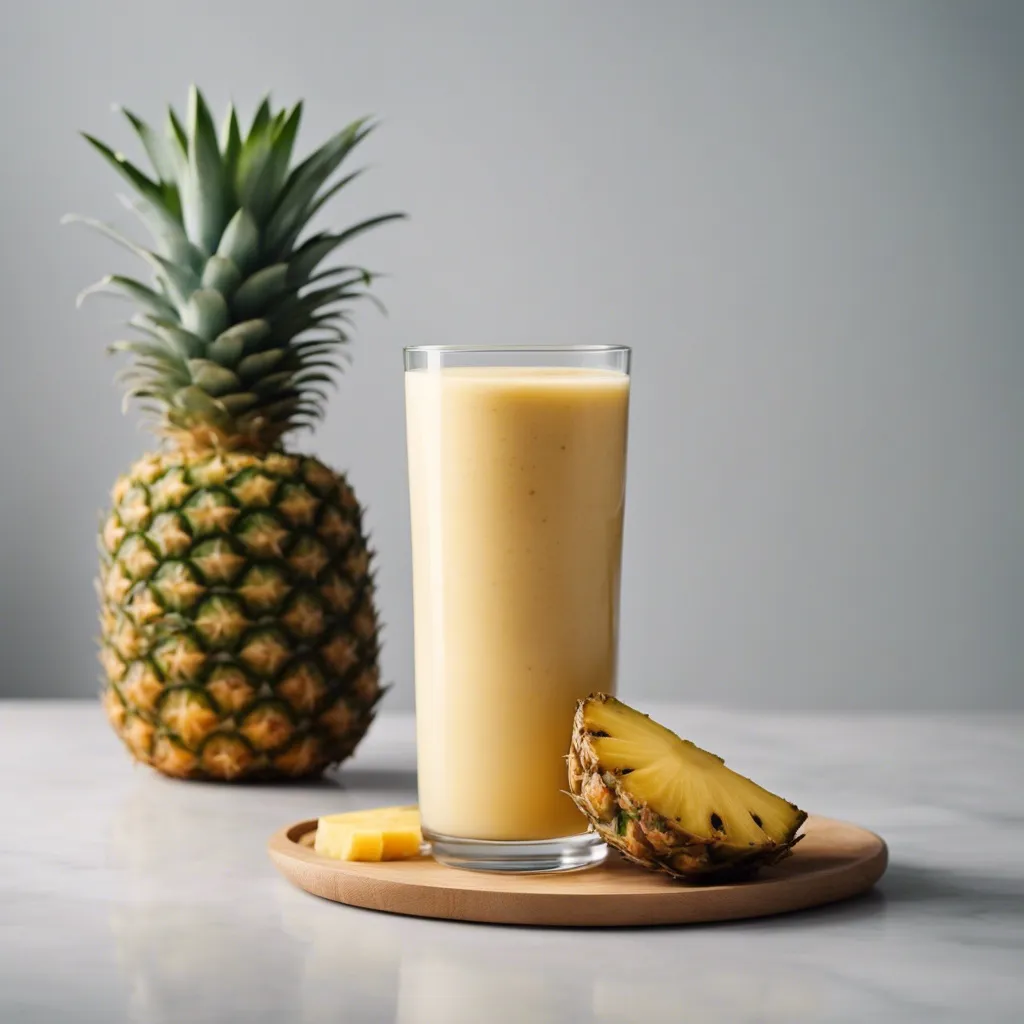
667	805
239	633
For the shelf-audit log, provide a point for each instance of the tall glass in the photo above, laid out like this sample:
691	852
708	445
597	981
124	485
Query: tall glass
517	473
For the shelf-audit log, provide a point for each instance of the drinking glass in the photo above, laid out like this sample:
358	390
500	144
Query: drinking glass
517	463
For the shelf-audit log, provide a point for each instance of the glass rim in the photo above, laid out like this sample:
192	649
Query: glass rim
518	348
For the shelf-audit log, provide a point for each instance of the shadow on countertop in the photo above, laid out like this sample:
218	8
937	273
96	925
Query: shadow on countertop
976	890
954	895
374	779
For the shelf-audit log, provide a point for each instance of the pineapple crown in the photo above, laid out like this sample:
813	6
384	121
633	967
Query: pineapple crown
239	329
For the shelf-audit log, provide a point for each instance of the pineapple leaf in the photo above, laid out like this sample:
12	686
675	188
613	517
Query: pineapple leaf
249	174
282	394
310	254
338	361
375	302
292	210
185	342
307	177
231	144
141	392
316	298
143	373
310	310
321	298
363	276
284	139
313	407
239	402
144	368
303	379
329	194
178	282
204	193
315	397
226	212
165	160
259	292
205	314
352	284
140	384
281	410
176	135
320	345
260	119
240	241
259	364
277	123
334	368
317	347
252	158
262	180
309	363
196	402
221	274
271	383
126	287
297	322
226	349
212	378
250	332
166	230
202	133
158	354
139	181
328	324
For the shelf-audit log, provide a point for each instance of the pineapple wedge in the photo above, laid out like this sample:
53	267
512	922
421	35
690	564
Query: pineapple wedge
668	805
386	833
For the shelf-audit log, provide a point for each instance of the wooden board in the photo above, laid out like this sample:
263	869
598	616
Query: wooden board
833	862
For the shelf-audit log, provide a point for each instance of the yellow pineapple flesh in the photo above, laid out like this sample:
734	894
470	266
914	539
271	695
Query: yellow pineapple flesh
386	833
668	805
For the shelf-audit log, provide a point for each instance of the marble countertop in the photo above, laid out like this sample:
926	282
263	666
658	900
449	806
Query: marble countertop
128	897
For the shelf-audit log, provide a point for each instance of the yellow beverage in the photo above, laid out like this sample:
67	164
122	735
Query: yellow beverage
517	481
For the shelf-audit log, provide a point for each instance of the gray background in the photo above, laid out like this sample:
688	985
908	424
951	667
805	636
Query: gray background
806	217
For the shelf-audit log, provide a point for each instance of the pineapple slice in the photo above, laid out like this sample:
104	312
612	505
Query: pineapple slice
387	833
668	805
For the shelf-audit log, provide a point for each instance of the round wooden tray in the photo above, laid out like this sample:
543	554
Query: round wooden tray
834	861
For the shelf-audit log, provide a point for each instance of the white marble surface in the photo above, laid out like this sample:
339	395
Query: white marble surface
127	897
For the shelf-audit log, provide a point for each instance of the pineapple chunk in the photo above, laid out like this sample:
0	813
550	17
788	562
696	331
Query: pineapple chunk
387	833
668	805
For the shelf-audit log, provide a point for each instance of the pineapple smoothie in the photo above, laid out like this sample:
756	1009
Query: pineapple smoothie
517	481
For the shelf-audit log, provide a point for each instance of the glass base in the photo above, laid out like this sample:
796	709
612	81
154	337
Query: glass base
569	853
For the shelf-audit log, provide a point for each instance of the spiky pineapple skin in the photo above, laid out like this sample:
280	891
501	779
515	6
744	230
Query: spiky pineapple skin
239	635
646	838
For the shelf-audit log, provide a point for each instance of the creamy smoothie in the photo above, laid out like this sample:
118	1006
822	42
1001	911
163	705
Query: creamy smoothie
517	480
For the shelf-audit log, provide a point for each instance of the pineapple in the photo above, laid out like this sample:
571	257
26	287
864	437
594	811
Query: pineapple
388	833
668	805
239	636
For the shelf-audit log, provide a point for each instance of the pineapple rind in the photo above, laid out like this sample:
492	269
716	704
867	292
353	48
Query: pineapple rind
668	805
222	662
